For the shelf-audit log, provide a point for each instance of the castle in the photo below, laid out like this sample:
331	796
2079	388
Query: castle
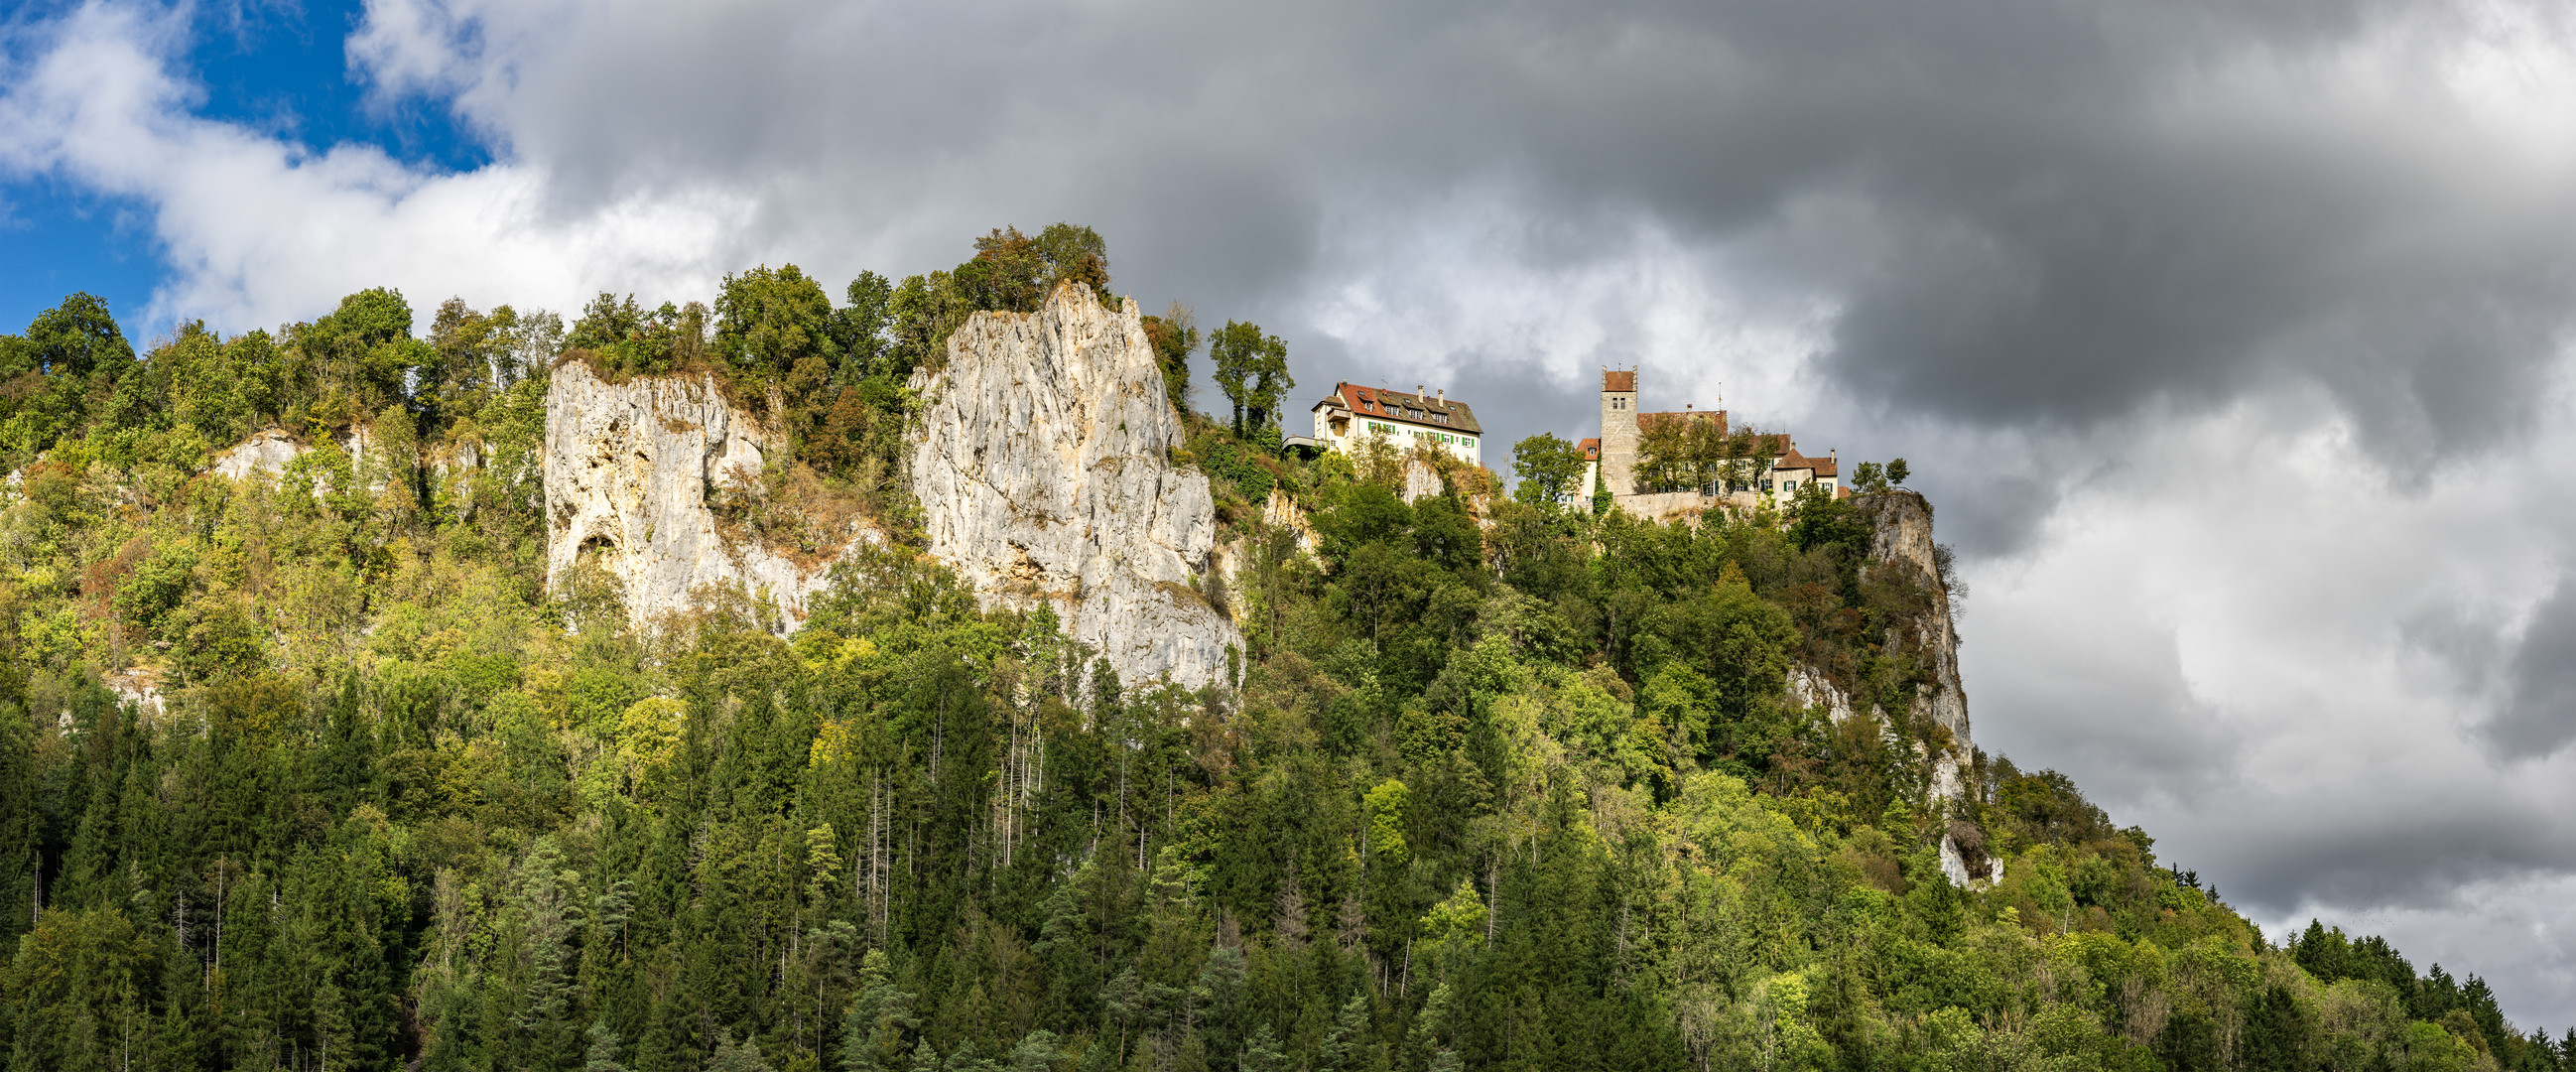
1353	413
1612	460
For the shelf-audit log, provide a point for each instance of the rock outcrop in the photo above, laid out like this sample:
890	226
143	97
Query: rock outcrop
1421	481
270	451
1042	465
1282	512
1807	688
267	451
629	471
1902	540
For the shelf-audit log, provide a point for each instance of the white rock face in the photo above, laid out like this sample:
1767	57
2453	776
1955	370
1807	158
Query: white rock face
1903	540
140	686
1282	512
629	468
1042	468
1808	688
269	451
266	451
1420	482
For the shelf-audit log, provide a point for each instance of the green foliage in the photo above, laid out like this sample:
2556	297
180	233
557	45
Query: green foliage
70	356
1012	272
1252	370
860	329
775	328
1679	452
630	341
1549	469
361	356
1867	478
78	338
1074	254
1225	461
1174	337
1498	786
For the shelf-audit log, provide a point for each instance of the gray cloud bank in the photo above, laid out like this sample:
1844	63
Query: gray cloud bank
2231	339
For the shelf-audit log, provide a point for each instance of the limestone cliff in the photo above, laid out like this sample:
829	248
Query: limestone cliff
269	451
1902	540
1281	512
1421	481
1042	467
630	470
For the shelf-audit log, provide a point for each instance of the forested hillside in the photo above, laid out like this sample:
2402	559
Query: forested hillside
310	771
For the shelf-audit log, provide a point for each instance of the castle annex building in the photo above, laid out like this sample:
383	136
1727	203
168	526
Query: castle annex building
1352	413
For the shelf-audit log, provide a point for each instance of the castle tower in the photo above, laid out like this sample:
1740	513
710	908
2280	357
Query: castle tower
1618	431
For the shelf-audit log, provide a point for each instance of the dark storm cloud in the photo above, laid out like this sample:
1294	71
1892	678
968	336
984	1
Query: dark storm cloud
2540	717
2064	212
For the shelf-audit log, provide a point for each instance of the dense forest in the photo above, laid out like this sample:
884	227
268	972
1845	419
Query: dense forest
1503	781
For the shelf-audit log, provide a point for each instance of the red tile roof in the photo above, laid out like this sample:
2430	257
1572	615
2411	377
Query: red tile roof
1424	410
1591	449
1619	381
1793	460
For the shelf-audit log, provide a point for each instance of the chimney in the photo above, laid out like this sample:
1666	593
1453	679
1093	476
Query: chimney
1444	396
1417	394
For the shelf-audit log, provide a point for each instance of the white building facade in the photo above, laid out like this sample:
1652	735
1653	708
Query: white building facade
1352	414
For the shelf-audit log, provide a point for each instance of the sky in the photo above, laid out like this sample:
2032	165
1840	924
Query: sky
2232	342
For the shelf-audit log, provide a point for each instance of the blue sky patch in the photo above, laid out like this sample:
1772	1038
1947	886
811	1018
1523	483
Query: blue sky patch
280	70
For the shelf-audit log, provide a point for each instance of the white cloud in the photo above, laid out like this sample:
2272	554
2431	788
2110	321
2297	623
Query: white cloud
2216	636
260	231
1451	288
